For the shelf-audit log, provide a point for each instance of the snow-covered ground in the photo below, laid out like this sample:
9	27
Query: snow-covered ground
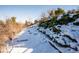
39	40
30	41
67	40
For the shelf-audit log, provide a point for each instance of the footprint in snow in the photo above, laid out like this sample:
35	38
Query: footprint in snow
29	32
22	40
35	33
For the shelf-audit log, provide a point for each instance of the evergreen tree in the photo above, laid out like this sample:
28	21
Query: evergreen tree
59	11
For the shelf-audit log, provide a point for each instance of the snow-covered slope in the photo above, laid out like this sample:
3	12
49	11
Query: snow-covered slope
66	41
39	40
30	40
57	39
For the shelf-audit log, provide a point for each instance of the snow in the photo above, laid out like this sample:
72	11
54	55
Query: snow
31	42
59	17
67	31
49	18
73	44
70	30
77	20
18	50
71	15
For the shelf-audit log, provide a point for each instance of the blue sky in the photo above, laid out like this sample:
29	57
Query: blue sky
26	12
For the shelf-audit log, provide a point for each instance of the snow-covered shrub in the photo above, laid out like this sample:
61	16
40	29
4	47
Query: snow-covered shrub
56	30
76	16
76	23
65	19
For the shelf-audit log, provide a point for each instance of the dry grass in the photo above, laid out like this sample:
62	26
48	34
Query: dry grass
3	48
7	31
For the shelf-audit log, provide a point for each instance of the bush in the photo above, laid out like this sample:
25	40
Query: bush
59	11
43	24
8	30
52	22
1	22
65	20
76	16
36	21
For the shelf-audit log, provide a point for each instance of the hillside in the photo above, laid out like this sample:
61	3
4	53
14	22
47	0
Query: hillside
39	40
57	33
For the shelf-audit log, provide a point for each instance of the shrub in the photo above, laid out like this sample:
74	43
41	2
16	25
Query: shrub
43	24
52	22
76	16
36	21
1	22
65	20
59	11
